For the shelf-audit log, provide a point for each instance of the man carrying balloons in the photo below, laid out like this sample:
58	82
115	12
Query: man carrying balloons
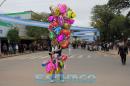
61	19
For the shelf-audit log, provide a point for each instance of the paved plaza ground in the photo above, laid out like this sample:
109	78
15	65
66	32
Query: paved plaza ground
22	70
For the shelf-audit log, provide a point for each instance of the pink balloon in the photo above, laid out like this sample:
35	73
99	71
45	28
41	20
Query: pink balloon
49	67
60	38
50	18
61	20
63	8
69	21
64	57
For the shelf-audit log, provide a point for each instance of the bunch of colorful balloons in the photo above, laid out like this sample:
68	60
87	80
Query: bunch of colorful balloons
61	19
50	67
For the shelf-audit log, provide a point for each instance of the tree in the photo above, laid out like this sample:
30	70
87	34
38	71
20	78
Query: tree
118	26
102	15
37	32
13	35
40	16
118	5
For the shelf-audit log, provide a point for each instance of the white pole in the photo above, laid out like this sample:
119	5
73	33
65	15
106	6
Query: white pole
0	46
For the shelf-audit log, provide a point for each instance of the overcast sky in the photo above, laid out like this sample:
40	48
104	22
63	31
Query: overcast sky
82	8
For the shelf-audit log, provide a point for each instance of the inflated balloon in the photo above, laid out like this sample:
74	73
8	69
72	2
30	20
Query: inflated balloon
62	64
57	11
73	15
58	70
57	30
69	14
67	37
64	57
52	9
66	26
50	27
55	24
51	35
50	67
70	21
65	32
62	8
60	38
54	42
64	44
60	20
44	64
50	18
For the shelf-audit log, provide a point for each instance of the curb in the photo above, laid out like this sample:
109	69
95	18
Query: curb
2	57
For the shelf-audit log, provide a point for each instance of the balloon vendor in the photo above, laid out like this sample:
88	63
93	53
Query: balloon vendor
61	19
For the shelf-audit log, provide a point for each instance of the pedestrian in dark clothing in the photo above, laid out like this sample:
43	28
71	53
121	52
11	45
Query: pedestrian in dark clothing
123	51
5	49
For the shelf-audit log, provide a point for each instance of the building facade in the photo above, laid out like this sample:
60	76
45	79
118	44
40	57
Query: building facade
5	27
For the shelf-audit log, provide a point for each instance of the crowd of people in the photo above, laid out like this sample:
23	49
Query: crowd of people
121	46
93	46
8	49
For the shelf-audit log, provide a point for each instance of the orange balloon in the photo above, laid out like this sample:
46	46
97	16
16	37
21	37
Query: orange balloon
55	24
65	32
64	44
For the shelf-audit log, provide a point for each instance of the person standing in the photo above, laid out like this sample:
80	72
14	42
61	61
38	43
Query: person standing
55	52
5	49
123	51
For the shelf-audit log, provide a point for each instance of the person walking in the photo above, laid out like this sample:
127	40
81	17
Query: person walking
123	51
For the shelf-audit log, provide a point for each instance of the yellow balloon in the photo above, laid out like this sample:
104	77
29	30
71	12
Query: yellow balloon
50	73
73	15
58	70
62	63
57	11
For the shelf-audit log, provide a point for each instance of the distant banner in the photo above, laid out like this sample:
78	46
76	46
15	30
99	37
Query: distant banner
23	21
27	22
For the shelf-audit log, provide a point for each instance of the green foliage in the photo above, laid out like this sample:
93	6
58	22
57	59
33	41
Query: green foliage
119	4
109	21
40	17
37	32
13	35
102	15
118	26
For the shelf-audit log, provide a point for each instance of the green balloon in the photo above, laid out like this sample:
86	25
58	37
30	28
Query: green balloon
52	35
69	14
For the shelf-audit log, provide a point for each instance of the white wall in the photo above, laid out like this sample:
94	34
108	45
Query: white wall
22	28
4	31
